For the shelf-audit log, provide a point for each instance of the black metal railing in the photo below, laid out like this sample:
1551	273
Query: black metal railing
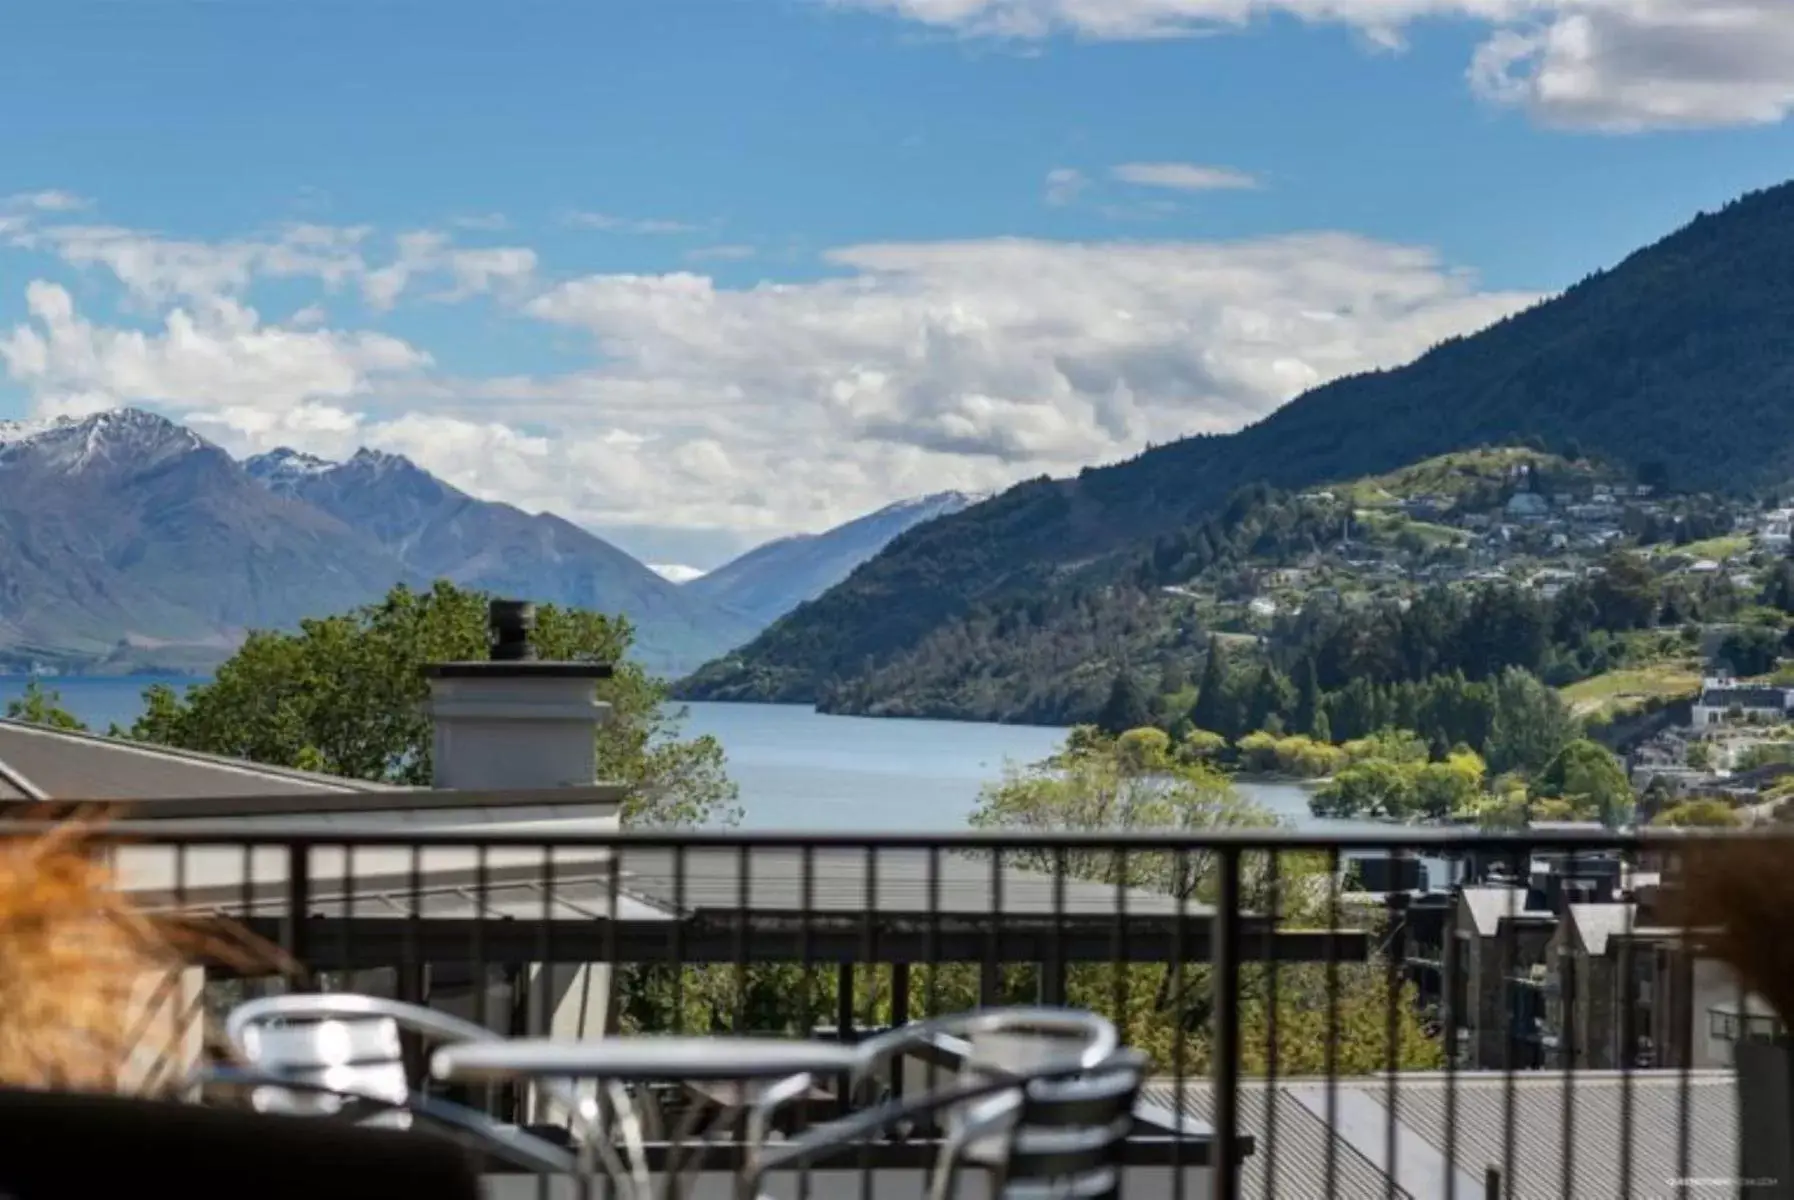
1308	1039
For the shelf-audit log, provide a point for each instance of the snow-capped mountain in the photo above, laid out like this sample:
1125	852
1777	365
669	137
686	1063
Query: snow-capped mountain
769	581
125	534
437	531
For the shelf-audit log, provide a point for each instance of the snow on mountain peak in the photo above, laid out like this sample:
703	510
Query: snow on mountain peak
117	435
285	463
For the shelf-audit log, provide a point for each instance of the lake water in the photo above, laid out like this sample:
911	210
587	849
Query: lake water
798	769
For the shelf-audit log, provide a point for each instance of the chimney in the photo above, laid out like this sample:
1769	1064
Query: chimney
516	723
513	721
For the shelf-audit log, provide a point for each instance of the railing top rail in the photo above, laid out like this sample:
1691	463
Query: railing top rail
1398	839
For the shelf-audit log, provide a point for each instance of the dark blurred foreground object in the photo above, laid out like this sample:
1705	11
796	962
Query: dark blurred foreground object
1735	899
55	1146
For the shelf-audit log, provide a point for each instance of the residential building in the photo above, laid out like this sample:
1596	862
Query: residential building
1724	699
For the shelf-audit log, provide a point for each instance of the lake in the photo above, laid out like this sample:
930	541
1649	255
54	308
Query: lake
798	769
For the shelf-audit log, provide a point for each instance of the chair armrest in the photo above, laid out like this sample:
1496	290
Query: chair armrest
847	1133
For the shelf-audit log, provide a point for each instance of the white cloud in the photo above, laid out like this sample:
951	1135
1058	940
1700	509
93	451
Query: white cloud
677	572
1612	65
607	223
1184	177
760	410
218	357
1064	185
51	201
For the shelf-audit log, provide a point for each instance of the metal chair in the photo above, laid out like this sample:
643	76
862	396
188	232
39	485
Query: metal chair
1056	1137
1004	1053
341	1056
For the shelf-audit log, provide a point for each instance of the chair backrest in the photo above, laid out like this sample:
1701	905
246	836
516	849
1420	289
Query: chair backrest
1068	1133
340	1046
357	1057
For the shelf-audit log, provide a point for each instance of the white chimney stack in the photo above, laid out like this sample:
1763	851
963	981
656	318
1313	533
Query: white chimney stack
513	722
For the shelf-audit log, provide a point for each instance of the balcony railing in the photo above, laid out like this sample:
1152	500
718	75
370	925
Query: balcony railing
1292	1055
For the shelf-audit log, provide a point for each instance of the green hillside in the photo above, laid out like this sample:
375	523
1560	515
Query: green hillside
1677	365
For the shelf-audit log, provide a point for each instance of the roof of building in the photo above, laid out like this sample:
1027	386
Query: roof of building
1623	1133
41	763
893	881
1743	697
1489	905
1594	924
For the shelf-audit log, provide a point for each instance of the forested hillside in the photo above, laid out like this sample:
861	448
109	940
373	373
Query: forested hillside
1677	364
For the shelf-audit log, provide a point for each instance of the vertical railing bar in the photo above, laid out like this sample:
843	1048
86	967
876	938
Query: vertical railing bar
1273	921
1567	991
1510	1034
348	918
1119	947
1330	1054
1394	949
743	896
1628	1015
1227	1029
1180	1035
870	1018
298	903
1450	965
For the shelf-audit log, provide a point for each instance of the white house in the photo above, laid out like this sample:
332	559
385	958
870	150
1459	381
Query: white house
1726	699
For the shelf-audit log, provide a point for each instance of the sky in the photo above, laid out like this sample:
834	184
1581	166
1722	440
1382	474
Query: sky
700	273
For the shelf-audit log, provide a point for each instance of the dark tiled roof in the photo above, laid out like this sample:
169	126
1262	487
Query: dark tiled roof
1743	697
38	762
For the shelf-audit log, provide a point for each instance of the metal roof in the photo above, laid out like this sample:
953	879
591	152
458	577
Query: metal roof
38	762
1601	1149
892	881
1489	906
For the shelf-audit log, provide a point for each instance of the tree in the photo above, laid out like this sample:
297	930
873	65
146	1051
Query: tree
1591	780
1166	1011
1753	650
42	706
1625	593
1531	723
1453	785
1210	710
345	695
1699	813
1126	708
1308	698
1269	699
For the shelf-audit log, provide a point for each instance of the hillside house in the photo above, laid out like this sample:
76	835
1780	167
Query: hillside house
1722	700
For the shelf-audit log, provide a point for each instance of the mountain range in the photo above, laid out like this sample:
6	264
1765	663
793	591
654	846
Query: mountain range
1677	362
128	541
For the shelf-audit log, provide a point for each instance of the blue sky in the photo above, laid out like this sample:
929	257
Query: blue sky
700	272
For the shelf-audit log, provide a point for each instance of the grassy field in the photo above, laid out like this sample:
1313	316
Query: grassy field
1719	549
1618	691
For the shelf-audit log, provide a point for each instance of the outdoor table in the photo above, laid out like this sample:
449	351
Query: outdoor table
691	1061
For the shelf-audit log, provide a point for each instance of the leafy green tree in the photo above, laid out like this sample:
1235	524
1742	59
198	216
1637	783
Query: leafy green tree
1699	813
1370	787
1531	723
1166	1011
346	695
1201	745
1127	707
1591	780
1443	789
42	706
